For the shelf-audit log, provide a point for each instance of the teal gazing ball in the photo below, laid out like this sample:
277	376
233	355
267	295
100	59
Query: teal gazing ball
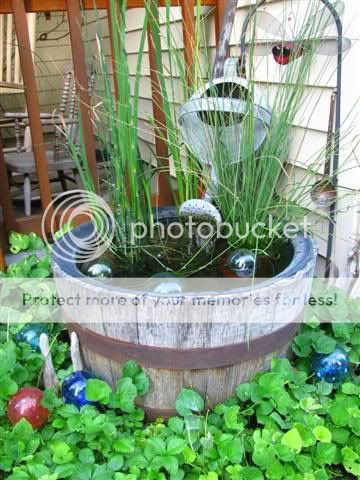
31	333
332	367
242	262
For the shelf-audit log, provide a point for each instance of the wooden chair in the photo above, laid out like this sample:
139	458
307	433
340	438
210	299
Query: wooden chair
22	161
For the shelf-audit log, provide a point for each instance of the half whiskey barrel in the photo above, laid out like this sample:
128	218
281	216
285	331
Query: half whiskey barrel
183	341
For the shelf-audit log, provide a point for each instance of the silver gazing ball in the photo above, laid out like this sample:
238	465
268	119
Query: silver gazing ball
99	270
323	194
168	288
243	263
170	285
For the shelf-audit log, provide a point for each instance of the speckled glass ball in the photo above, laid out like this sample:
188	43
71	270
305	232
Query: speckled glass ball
73	389
332	367
31	333
26	403
243	263
98	270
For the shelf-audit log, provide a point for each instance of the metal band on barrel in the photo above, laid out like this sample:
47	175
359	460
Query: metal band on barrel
187	358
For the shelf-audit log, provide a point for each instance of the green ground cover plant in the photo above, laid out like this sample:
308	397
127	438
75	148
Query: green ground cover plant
280	425
283	424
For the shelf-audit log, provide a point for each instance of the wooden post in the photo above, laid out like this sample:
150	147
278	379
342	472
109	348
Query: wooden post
2	259
111	36
9	47
164	193
80	72
219	17
188	16
222	46
2	44
5	198
32	102
40	6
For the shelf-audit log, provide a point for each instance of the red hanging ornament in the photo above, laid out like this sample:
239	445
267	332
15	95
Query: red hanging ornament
286	53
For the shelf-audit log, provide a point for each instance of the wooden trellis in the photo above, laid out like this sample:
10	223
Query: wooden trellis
73	8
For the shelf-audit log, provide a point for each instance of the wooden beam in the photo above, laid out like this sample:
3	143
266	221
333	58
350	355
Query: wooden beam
2	259
188	22
81	78
220	6
29	224
33	223
32	103
223	43
112	36
3	246
8	212
2	31
165	196
39	6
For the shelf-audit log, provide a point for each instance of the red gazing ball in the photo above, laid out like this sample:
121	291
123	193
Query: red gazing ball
26	403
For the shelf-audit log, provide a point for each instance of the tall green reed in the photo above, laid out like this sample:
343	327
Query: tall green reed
247	191
177	73
127	179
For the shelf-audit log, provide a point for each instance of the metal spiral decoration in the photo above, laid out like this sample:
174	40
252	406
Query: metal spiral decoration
69	207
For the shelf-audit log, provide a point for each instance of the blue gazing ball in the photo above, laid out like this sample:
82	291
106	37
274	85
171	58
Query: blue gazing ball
332	367
243	263
73	389
31	333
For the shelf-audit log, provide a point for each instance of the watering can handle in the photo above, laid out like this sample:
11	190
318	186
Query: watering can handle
224	40
243	32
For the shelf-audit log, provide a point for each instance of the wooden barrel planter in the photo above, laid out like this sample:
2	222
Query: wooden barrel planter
185	343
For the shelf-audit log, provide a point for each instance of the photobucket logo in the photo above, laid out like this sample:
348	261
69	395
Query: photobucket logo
70	207
207	231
